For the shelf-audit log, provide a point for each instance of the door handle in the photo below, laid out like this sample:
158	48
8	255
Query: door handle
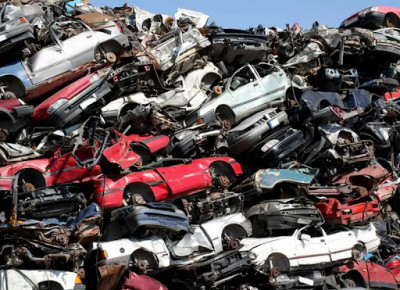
255	84
88	36
322	240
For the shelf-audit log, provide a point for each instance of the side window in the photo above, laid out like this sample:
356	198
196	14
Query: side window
312	232
242	77
264	69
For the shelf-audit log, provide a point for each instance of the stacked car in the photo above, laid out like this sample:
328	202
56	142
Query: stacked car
143	151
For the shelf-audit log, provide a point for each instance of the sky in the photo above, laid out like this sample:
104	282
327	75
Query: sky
249	13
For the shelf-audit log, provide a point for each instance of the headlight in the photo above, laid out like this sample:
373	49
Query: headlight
252	256
13	23
370	9
158	54
57	104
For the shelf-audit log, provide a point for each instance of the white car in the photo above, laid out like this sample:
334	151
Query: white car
14	279
249	90
191	91
154	253
312	247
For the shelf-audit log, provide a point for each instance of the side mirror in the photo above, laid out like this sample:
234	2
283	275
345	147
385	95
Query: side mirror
305	237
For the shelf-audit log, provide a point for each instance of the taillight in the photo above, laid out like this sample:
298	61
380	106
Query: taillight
119	27
23	20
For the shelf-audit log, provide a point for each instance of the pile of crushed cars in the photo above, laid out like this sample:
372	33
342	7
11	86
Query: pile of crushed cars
143	151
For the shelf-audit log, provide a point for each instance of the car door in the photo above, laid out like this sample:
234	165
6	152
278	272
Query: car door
313	250
80	48
340	244
274	81
64	169
245	91
49	62
184	179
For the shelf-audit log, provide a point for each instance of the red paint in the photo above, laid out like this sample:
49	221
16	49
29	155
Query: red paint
141	282
166	183
68	92
356	210
56	170
10	104
374	274
123	151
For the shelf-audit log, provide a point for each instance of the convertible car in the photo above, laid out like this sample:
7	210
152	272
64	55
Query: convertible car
166	183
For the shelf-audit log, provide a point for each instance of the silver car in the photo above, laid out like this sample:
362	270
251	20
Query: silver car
64	56
249	90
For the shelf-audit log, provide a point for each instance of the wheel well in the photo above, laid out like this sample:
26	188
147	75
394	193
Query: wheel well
109	46
279	260
293	94
231	235
143	253
50	285
14	84
224	112
126	108
209	79
356	277
392	16
358	248
223	168
143	189
236	230
34	176
323	104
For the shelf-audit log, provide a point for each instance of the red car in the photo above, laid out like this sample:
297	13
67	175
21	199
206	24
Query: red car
132	150
166	183
369	275
358	210
73	102
47	172
374	17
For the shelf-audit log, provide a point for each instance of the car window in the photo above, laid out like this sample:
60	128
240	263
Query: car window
242	77
264	69
67	29
312	231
